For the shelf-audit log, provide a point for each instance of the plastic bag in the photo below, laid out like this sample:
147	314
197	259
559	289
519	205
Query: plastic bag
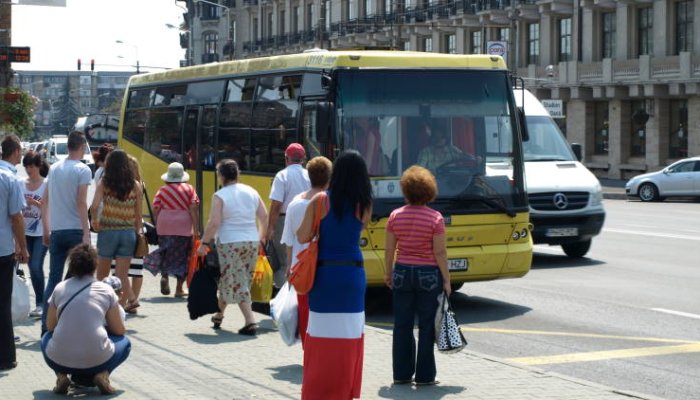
20	299
285	313
261	287
193	260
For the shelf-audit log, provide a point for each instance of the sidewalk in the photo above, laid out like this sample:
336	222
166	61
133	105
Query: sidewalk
613	189
175	358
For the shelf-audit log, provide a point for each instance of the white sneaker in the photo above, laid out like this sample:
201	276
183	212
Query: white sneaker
36	313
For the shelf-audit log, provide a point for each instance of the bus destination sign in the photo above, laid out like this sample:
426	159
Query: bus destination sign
15	54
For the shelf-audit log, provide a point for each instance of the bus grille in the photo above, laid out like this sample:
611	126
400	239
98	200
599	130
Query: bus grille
558	201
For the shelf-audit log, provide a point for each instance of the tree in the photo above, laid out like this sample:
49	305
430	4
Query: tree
16	112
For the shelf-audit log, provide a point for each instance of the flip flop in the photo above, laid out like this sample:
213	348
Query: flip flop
248	330
164	286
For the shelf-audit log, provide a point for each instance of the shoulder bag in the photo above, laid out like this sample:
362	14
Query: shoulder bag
303	273
150	227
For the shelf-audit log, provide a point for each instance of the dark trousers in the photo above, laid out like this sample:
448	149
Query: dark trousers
415	292
7	334
122	348
37	253
60	244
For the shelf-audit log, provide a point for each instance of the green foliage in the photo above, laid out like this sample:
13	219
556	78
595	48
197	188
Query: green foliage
16	112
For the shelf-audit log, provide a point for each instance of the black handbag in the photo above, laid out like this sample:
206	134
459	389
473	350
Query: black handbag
202	299
150	227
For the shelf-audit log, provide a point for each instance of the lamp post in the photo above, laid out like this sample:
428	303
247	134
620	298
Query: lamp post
136	51
228	28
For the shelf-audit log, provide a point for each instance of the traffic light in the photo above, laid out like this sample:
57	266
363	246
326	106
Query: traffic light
78	64
92	65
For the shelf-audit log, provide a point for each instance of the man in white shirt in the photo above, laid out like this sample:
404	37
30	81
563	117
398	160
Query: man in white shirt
64	211
287	184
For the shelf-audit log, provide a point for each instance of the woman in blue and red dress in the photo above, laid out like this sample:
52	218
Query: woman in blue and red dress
334	346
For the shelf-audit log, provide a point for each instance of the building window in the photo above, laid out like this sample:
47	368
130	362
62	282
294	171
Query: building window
255	29
210	41
565	39
388	7
451	44
609	23
327	5
428	45
678	139
476	44
209	11
601	126
282	27
533	43
407	45
504	34
645	20
297	18
369	8
352	9
310	16
684	26
638	130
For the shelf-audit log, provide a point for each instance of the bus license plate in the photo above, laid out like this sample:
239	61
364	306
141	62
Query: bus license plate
459	264
562	232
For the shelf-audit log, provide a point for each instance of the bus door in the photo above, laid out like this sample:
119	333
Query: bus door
316	141
199	140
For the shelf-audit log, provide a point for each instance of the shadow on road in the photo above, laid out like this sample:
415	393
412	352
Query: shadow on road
291	373
546	260
415	392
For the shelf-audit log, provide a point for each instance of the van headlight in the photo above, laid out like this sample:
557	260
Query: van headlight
597	196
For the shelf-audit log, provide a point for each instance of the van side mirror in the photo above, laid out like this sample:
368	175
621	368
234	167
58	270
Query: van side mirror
578	150
523	124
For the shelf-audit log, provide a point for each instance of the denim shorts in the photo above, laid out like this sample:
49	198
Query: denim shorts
116	243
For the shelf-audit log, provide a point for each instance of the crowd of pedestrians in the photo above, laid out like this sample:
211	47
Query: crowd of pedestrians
85	342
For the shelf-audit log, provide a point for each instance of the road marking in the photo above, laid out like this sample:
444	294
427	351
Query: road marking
607	355
653	234
680	313
573	334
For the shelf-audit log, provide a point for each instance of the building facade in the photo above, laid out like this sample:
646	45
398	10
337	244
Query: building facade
628	72
66	95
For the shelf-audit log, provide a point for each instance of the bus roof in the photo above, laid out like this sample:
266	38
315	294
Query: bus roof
326	60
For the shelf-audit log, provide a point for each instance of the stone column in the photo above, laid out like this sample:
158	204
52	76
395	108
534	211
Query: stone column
694	123
623	46
589	47
580	125
548	40
618	123
657	135
461	45
662	31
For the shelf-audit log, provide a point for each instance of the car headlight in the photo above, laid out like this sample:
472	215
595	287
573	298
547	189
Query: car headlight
597	196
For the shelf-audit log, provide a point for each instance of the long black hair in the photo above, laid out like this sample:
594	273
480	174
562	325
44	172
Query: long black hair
118	176
350	184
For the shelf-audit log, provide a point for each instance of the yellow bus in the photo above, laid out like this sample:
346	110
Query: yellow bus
455	114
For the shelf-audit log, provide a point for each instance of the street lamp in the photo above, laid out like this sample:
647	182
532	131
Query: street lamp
136	51
228	17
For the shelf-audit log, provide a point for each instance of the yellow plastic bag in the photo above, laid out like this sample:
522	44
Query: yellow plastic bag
261	287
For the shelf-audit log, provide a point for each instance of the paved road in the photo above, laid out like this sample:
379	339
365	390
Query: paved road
627	316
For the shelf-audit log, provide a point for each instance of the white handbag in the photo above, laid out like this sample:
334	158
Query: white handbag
20	298
449	338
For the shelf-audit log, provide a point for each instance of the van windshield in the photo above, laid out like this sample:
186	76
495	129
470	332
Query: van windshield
546	141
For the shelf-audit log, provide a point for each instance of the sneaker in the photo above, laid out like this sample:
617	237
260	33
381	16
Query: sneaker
36	313
62	384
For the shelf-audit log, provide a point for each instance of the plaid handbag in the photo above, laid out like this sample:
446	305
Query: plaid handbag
450	338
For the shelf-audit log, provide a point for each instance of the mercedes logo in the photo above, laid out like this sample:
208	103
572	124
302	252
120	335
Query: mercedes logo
560	201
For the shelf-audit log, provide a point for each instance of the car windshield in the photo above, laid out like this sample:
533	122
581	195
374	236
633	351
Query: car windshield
458	124
546	142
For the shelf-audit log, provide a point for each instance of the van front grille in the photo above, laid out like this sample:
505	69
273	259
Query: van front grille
558	201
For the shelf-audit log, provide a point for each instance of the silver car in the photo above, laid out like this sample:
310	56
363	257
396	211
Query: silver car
681	178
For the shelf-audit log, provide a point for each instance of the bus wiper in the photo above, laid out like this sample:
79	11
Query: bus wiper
489	202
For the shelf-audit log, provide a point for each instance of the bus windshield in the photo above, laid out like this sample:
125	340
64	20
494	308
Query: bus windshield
458	124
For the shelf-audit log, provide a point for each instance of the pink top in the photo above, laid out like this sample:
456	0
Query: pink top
173	200
414	228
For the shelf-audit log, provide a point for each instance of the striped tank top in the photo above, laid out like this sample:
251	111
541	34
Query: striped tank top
117	214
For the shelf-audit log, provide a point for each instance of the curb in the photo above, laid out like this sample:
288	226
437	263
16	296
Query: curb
629	393
615	195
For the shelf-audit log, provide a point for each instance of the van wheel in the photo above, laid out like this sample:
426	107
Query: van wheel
456	286
576	249
648	192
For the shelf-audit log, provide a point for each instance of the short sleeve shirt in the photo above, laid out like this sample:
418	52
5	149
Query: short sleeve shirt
288	183
414	228
64	180
11	203
295	215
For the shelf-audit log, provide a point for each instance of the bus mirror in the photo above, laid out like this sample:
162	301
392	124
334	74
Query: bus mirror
326	81
576	147
523	124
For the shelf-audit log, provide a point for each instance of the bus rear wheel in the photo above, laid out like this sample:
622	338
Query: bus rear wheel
576	249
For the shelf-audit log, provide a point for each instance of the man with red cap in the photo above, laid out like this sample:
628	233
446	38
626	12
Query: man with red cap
288	183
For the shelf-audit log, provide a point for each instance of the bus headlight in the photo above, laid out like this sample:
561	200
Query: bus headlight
515	235
523	233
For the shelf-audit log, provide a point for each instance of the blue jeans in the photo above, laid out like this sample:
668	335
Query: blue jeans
415	291
122	348
60	244
37	253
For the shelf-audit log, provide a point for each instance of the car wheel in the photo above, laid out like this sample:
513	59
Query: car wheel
576	249
648	192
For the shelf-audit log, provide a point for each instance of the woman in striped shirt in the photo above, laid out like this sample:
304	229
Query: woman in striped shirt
418	277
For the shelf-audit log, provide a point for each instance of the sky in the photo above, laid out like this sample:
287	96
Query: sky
89	29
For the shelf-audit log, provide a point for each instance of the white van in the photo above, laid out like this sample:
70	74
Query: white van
565	198
57	150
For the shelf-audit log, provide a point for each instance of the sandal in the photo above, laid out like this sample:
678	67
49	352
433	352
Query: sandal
132	306
248	330
217	321
164	285
431	383
181	294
